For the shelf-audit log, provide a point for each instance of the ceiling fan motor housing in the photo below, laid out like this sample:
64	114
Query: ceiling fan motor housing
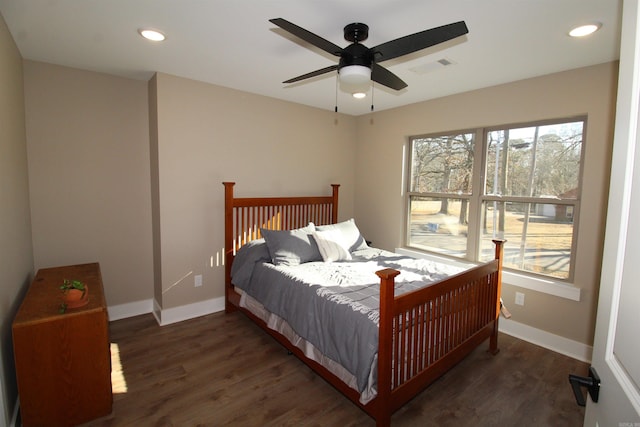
356	54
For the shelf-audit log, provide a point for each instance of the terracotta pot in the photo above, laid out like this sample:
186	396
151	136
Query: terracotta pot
74	298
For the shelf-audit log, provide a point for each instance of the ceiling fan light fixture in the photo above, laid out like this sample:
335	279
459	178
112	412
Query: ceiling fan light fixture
359	95
355	76
153	35
585	30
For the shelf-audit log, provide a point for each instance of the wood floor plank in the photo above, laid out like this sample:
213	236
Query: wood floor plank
222	370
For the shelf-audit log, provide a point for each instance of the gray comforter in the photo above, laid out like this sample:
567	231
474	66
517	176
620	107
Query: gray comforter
335	305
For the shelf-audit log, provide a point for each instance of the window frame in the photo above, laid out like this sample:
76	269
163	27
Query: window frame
478	197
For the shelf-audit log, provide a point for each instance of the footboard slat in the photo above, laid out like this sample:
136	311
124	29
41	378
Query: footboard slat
418	353
438	328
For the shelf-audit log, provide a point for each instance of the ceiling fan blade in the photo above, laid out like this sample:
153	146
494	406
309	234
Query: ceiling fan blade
386	78
418	41
312	74
307	36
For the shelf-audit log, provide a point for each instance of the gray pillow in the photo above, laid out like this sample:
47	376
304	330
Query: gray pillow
350	234
292	247
246	258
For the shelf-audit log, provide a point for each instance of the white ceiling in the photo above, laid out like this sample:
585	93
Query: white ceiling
231	42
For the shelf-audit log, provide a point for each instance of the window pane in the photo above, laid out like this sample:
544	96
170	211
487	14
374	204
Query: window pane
439	225
536	161
442	164
539	236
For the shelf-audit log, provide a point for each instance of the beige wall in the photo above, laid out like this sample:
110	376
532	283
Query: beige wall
16	259
208	134
155	190
382	142
88	148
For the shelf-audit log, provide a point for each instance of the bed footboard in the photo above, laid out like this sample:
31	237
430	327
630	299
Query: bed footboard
426	332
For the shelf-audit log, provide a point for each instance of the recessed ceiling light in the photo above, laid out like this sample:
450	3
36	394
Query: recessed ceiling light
152	35
585	30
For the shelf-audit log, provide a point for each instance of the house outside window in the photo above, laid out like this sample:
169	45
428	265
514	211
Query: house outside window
520	182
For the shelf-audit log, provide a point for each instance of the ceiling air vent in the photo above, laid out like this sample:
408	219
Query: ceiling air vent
431	66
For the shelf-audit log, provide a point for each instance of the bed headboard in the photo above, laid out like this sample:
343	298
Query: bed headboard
244	217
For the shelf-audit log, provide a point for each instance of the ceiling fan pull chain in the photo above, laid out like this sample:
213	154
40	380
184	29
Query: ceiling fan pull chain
372	87
336	108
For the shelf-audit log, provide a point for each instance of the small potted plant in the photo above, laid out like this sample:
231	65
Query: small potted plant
74	294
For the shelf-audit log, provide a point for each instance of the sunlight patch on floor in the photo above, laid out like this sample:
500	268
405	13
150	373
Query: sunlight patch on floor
118	381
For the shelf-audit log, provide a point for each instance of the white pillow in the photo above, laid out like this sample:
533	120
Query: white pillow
331	245
351	236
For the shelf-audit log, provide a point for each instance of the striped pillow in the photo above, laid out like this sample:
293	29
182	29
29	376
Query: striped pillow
331	245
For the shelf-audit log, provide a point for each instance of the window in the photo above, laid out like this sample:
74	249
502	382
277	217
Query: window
520	183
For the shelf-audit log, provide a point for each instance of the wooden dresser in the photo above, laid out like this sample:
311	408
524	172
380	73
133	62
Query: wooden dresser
63	361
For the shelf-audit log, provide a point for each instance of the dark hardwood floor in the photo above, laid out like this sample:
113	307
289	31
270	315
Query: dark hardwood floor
221	370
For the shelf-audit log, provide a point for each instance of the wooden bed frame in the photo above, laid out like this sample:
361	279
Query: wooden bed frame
422	334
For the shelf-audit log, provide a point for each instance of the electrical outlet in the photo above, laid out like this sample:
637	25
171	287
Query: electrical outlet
198	280
519	298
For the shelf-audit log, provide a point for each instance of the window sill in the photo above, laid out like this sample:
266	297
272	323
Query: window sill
540	284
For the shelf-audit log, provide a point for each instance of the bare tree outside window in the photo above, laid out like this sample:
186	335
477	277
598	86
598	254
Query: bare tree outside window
442	169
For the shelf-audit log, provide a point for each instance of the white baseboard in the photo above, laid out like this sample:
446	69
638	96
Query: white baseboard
547	340
130	309
165	316
186	312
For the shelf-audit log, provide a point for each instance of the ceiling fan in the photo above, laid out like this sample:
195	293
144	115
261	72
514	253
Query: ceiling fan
359	64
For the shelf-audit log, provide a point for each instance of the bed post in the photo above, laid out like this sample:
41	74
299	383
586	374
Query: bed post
385	342
228	243
334	212
493	340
